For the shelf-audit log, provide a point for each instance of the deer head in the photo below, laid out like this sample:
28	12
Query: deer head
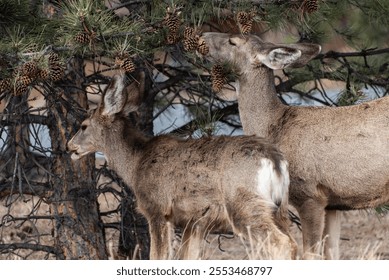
244	51
115	103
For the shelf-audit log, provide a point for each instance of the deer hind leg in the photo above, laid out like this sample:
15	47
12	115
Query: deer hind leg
191	243
332	234
161	233
312	216
253	219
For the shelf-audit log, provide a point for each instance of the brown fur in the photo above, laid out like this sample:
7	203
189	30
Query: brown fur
198	185
338	156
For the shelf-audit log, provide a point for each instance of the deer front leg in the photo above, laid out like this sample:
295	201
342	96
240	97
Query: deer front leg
312	220
160	240
332	234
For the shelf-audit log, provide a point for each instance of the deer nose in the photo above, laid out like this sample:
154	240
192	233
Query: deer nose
70	147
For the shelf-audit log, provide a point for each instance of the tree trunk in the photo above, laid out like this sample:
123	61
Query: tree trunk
79	230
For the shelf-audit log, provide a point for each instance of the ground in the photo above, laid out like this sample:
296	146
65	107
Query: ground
364	234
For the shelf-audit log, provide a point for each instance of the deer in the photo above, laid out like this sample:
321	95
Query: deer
233	184
338	156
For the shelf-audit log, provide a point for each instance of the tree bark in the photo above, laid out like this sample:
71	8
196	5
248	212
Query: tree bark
79	231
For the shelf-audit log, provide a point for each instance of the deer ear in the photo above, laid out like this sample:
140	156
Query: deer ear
114	97
133	92
292	55
281	57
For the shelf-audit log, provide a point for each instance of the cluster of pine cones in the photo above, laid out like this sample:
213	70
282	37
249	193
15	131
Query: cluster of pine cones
193	42
245	21
29	72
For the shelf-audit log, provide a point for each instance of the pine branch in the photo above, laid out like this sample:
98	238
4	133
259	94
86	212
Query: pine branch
363	53
13	119
5	248
41	190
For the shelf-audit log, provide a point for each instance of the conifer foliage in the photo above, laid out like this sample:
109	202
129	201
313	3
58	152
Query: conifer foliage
55	54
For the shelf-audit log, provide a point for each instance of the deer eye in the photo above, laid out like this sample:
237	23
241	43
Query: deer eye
83	127
231	42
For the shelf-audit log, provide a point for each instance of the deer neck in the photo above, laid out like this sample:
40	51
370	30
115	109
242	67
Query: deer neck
124	146
259	105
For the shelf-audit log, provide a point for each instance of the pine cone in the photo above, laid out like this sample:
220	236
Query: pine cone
310	6
5	85
245	28
218	77
202	47
21	85
172	20
20	89
24	80
53	58
189	32
56	72
82	38
245	21
242	17
29	68
190	44
43	74
127	65
172	39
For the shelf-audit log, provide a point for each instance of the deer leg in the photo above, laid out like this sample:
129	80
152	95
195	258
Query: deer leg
160	240
190	248
332	234
312	220
253	219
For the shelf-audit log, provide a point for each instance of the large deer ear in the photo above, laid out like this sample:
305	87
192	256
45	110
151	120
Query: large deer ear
293	55
133	92
114	97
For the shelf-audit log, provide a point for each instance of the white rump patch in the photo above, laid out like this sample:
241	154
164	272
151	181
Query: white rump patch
271	185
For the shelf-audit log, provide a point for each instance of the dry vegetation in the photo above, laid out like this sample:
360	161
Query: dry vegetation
364	233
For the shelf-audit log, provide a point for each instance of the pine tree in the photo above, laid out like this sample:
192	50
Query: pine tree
59	50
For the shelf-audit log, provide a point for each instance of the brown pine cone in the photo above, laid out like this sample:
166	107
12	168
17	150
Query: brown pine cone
190	44
5	85
310	6
172	39
172	20
43	74
29	68
82	38
189	32
53	58
202	47
242	17
24	80
56	72
127	65
21	85
245	21
218	77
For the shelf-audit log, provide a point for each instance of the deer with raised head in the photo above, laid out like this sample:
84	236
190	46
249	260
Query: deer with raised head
220	184
338	157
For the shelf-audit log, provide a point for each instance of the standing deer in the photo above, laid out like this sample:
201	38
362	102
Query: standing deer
338	157
198	185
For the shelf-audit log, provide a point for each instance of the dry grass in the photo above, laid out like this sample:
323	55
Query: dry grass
365	235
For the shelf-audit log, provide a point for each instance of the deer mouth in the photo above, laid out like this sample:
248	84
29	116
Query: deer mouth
76	155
